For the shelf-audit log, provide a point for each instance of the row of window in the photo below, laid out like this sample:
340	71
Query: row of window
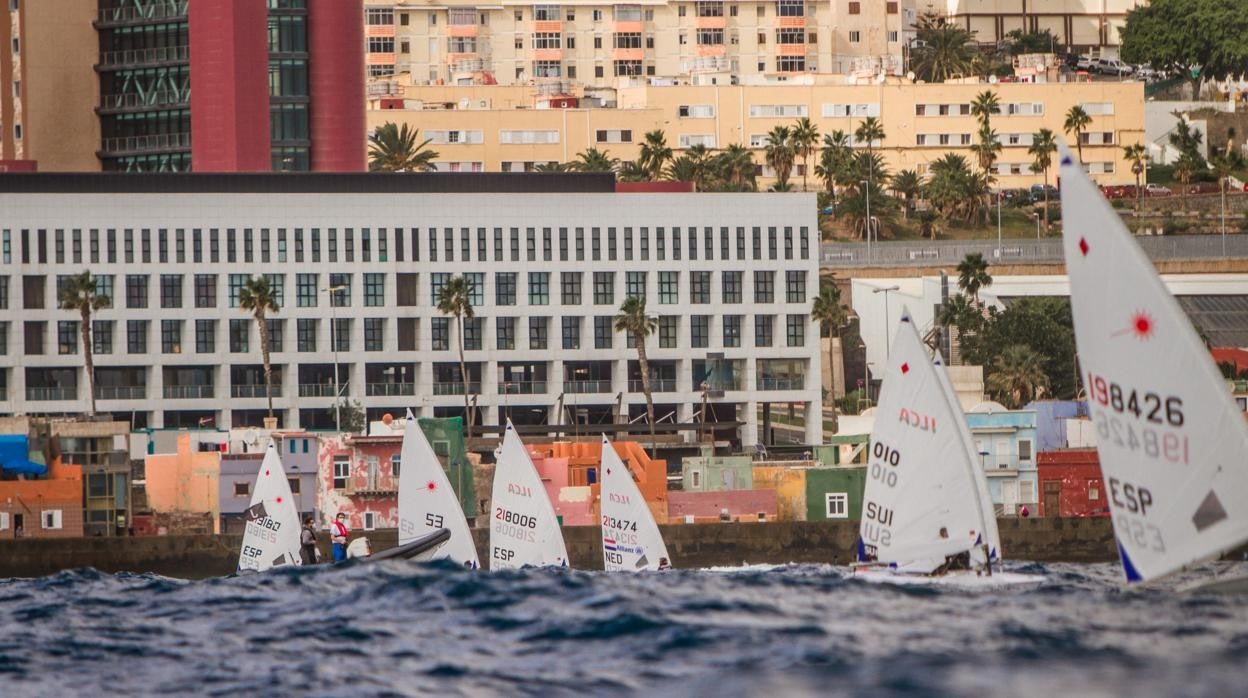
265	245
619	13
175	335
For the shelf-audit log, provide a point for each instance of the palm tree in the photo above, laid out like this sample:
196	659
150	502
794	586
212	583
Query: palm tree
908	184
737	168
868	132
632	171
633	319
1137	154
455	298
257	297
1184	169
593	160
1188	141
1043	145
1017	376
973	274
834	159
81	292
944	50
779	186
1077	121
805	135
694	166
961	314
984	105
830	313
927	223
553	167
954	189
654	154
987	149
779	153
394	149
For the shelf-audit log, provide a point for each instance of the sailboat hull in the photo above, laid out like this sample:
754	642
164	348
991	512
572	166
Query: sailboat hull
1229	585
422	548
962	579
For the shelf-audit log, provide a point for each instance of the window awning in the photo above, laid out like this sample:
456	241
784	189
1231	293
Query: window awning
15	456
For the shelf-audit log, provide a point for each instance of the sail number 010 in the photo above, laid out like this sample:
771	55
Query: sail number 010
882	454
1148	406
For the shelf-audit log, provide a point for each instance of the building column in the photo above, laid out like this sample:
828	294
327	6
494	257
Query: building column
336	85
749	432
814	422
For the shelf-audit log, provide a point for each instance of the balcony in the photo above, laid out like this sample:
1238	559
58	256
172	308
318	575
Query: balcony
254	390
522	387
768	383
120	392
187	392
590	386
456	388
145	57
45	394
151	12
130	100
657	385
389	389
162	142
318	389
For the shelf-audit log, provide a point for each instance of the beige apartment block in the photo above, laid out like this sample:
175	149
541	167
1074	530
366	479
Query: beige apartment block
1080	24
594	43
48	86
506	128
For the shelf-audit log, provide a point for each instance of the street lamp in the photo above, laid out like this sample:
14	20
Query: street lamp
885	290
866	380
1037	217
866	187
1222	183
333	343
999	193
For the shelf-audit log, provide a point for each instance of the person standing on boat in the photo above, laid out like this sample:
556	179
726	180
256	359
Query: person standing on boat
338	533
307	542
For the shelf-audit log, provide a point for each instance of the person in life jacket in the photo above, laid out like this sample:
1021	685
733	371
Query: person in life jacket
338	533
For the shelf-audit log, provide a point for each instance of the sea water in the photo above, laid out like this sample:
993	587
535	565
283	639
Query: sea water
398	628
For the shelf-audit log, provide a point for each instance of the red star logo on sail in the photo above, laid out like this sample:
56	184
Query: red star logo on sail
431	486
278	500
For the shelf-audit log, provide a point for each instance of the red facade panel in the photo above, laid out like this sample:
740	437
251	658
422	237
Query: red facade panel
229	86
1071	484
336	83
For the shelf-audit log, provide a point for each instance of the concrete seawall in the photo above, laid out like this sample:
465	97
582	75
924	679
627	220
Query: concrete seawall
702	545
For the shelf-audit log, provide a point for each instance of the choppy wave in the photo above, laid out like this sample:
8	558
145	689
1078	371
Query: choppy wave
397	628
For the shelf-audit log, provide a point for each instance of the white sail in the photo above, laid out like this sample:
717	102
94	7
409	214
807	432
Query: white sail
922	499
426	500
631	541
271	538
1171	442
523	527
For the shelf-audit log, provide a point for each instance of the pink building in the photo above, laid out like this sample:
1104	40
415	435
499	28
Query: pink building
707	507
358	476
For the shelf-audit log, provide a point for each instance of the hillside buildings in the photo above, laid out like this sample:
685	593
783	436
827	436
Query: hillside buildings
93	85
357	262
1079	24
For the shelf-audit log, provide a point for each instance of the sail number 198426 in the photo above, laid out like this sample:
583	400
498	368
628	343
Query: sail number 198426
1142	422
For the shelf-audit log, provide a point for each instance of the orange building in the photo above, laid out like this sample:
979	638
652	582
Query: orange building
185	482
48	507
569	470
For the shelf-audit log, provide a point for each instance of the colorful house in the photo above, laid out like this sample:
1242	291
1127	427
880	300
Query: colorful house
182	489
569	471
1005	442
37	501
298	451
835	494
722	505
715	473
1071	483
789	482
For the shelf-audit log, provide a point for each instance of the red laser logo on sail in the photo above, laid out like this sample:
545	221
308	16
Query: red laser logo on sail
431	486
1142	326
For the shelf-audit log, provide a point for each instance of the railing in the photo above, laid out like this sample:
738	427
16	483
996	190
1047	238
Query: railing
319	389
120	392
4	394
142	56
456	388
657	385
254	390
765	383
184	392
600	386
152	10
389	388
161	141
130	100
950	252
51	393
521	387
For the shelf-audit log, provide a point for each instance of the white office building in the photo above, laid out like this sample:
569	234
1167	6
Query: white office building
357	262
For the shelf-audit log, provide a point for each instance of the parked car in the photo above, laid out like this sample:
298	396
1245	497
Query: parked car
1037	192
1085	62
1112	66
1154	189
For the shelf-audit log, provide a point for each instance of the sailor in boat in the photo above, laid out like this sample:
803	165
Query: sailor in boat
338	534
307	543
664	564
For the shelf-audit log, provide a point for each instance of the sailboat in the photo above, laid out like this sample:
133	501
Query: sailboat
926	503
271	538
1171	442
631	541
427	503
524	530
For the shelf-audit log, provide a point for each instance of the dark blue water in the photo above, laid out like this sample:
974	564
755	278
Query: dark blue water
399	628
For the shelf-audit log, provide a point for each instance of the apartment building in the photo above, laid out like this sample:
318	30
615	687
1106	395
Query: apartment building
357	262
1079	24
596	43
91	85
497	128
